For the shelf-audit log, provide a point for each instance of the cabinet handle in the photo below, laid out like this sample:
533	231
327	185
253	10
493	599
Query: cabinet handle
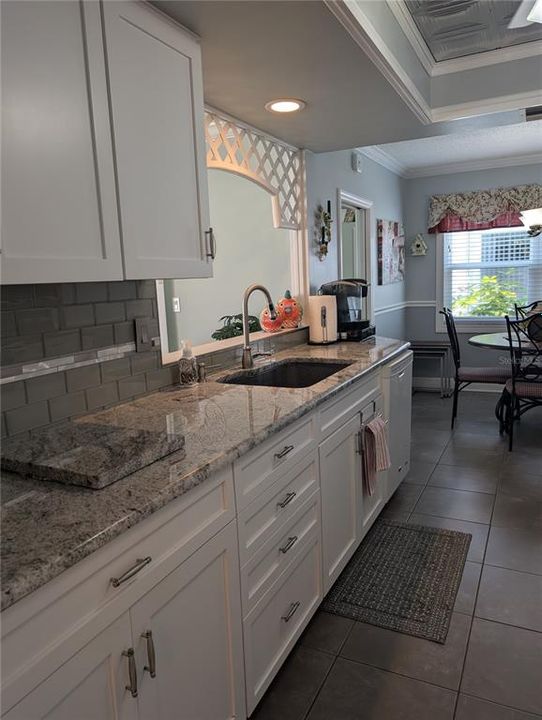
359	439
132	671
139	565
212	243
151	654
287	500
291	542
285	450
291	612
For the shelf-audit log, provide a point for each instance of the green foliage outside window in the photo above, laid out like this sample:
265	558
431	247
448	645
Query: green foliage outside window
492	297
232	326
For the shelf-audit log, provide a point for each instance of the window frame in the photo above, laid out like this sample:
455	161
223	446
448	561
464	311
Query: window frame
463	325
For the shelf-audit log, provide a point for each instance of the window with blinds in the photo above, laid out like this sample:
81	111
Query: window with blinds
486	271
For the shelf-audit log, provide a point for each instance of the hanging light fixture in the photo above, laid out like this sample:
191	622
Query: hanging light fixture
532	219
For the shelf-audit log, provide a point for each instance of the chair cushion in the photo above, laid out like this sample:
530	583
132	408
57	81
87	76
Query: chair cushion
526	389
483	374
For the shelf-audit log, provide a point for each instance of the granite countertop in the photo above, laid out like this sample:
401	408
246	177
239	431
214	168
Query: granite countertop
48	527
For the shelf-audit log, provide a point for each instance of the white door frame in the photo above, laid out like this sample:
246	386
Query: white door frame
365	204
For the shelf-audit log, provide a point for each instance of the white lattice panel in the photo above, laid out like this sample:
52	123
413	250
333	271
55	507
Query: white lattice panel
274	166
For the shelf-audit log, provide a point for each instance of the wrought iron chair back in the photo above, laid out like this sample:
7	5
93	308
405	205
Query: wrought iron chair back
524	311
525	341
452	335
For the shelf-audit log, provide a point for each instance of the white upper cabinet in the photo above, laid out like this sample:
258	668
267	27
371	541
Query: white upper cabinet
157	110
59	210
102	120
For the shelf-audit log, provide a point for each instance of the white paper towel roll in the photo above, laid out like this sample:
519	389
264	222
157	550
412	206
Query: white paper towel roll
322	318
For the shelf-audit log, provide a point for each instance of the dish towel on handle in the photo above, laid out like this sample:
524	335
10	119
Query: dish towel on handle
376	454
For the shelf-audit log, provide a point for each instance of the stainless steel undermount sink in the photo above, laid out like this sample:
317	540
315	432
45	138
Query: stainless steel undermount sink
286	373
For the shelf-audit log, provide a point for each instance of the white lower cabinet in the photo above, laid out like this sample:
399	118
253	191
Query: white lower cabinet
89	686
204	628
276	622
176	654
341	491
195	649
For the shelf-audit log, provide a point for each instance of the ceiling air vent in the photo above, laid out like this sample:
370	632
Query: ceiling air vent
533	113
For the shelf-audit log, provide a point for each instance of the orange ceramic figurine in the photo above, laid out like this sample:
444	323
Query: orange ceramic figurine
291	310
268	324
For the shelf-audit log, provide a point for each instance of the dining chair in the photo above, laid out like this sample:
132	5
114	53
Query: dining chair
464	376
523	389
524	311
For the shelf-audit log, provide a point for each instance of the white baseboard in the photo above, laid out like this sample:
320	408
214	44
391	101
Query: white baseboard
433	383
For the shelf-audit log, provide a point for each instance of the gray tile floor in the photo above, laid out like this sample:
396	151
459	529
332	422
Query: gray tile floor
490	667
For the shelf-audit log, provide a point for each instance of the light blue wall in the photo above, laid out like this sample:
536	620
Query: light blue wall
327	172
421	271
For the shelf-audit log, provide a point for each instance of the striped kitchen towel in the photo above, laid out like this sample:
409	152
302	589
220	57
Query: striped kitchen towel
376	455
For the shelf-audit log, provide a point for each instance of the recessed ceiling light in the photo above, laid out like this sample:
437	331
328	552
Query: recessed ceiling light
285	105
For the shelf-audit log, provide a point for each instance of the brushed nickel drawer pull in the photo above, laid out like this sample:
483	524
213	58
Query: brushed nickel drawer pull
291	612
151	655
212	243
139	565
132	671
287	500
291	542
285	450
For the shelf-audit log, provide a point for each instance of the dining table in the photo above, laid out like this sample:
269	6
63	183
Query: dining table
497	341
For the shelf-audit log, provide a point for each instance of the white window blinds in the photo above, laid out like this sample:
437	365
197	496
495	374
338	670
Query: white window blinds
486	271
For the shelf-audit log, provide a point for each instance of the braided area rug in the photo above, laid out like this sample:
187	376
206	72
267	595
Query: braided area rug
402	577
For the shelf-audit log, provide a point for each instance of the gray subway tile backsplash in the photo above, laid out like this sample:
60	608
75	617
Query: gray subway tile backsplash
77	316
110	312
12	396
92	292
102	396
44	387
67	406
37	320
51	322
130	387
27	417
122	291
64	342
97	337
83	378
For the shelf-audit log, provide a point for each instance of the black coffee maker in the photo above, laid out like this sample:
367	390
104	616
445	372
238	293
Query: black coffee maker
353	322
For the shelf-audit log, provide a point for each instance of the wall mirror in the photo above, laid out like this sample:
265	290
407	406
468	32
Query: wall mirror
249	249
355	240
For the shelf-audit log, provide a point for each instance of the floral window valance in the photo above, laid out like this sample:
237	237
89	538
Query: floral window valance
482	209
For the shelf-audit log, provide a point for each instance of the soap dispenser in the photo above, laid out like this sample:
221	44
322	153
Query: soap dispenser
188	367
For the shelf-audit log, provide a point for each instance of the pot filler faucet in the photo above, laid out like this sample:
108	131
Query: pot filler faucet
247	361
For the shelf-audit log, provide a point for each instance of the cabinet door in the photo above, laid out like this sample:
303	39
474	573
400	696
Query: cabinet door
157	107
194	615
400	398
59	210
341	496
90	685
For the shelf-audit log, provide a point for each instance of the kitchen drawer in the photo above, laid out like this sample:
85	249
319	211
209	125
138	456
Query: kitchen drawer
338	410
265	566
276	505
278	620
57	617
256	470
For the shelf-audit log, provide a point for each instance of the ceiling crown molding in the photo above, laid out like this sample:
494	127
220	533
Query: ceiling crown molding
365	35
517	101
375	153
466	62
473	165
380	156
